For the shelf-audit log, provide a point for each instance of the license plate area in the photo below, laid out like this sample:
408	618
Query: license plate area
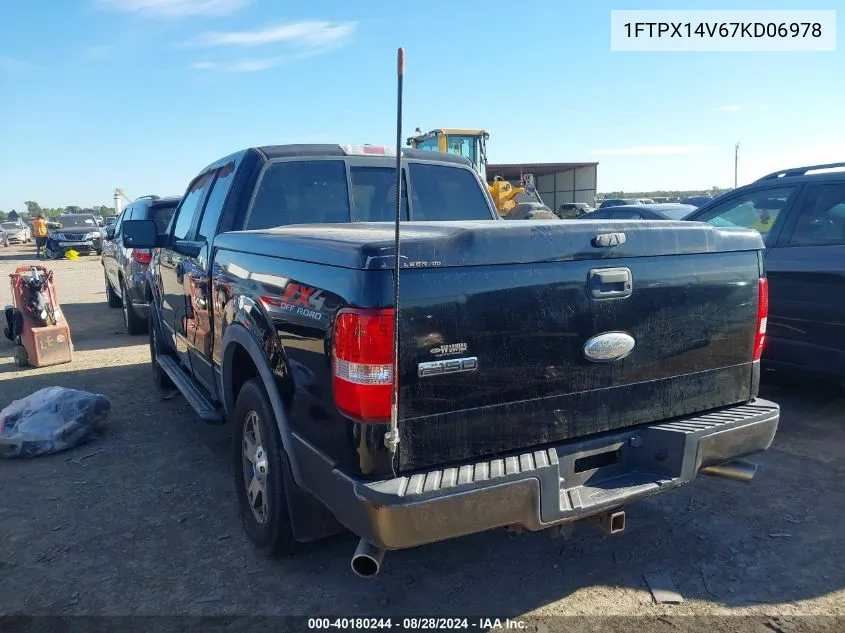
592	463
598	460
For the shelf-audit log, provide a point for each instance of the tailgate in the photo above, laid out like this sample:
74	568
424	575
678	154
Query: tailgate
493	356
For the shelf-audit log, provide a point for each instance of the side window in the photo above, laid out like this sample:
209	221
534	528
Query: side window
216	200
190	206
161	214
429	144
300	192
759	209
123	216
820	218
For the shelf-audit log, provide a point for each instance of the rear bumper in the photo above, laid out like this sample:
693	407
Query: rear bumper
541	488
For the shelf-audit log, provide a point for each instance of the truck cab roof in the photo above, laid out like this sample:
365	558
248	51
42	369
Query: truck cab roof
315	150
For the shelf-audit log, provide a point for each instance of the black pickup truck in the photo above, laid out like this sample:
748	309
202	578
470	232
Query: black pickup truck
548	372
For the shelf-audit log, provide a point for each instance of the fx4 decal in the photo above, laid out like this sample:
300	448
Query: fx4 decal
297	299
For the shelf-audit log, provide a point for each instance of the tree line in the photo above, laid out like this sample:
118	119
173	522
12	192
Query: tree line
33	209
713	191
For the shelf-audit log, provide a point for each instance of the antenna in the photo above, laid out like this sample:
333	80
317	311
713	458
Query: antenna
391	438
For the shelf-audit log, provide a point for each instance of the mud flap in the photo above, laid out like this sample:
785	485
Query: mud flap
310	520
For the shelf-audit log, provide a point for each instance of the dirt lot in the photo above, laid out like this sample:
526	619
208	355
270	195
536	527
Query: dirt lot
149	524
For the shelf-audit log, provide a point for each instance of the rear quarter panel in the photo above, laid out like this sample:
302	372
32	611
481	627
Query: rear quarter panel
289	307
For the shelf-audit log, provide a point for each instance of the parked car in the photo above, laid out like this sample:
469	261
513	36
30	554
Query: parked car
697	201
78	232
110	221
664	211
617	202
801	216
124	269
570	210
545	377
17	231
4	237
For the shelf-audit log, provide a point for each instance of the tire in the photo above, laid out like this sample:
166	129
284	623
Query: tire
160	378
269	525
111	296
51	254
20	355
131	321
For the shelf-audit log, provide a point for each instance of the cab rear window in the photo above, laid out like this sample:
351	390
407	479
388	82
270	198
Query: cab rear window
318	192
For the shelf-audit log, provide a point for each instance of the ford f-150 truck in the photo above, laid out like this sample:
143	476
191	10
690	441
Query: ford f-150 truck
548	371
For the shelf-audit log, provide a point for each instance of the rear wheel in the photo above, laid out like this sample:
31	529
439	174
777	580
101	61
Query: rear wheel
259	459
20	355
111	296
160	378
134	324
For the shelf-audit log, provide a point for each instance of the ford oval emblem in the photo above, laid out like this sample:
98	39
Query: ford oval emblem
609	346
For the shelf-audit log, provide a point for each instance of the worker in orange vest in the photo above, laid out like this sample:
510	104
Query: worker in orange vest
39	230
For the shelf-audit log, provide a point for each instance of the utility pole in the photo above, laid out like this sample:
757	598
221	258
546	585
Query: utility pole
736	163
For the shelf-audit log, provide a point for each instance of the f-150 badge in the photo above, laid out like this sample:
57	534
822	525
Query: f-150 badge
451	366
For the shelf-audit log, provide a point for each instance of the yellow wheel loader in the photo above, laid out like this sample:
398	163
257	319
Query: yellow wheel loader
512	203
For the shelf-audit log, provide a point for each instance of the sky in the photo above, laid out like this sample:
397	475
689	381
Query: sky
142	94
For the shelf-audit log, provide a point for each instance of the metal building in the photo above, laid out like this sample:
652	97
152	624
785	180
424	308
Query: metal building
557	183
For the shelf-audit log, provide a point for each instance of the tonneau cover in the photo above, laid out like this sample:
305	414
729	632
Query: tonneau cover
488	242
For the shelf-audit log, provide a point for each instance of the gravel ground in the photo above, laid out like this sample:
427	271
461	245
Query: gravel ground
144	521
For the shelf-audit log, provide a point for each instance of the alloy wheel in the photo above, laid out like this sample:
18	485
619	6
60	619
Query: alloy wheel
255	466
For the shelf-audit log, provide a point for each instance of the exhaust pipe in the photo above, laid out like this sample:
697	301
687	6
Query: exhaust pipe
366	561
738	470
610	522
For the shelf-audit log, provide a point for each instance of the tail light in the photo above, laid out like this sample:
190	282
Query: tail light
362	359
762	317
142	255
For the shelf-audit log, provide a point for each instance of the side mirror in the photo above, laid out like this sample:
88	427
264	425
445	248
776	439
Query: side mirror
109	232
141	234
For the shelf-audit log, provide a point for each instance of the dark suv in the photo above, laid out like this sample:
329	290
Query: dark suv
125	268
801	214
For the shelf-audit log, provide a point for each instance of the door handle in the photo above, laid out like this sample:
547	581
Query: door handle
609	283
